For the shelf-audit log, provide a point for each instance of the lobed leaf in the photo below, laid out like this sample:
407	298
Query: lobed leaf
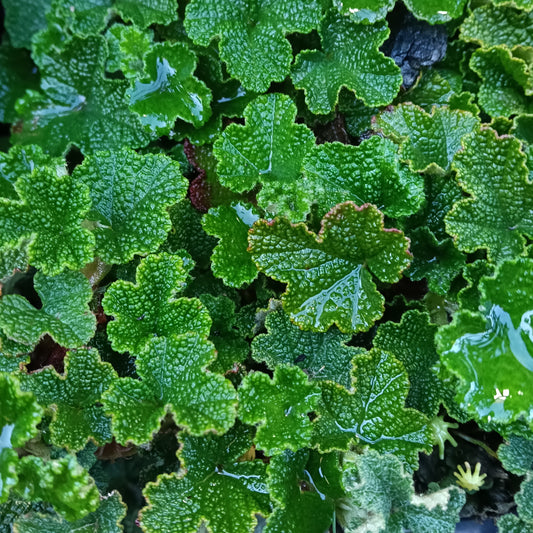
364	11
436	11
147	12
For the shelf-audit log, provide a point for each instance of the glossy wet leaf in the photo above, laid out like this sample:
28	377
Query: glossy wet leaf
374	415
282	414
364	11
106	519
492	351
217	488
268	150
436	11
368	173
499	211
150	307
84	108
170	90
64	315
252	34
427	141
322	356
130	194
173	379
49	210
147	12
78	415
19	25
381	498
231	260
350	57
329	275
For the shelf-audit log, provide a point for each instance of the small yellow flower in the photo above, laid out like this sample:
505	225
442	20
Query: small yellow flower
470	480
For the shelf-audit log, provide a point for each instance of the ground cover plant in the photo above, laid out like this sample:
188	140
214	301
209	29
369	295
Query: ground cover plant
266	265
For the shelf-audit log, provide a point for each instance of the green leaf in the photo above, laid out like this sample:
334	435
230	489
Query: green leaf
527	5
149	308
492	352
78	104
173	379
280	406
170	90
368	173
130	194
19	25
374	414
322	356
523	523
252	35
469	297
231	260
350	57
364	11
516	455
148	12
49	210
507	81
427	141
217	489
75	17
76	395
329	274
106	519
64	315
269	150
412	342
492	26
436	11
500	209
382	499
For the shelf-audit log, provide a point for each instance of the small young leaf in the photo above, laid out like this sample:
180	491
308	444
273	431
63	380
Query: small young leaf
350	58
327	273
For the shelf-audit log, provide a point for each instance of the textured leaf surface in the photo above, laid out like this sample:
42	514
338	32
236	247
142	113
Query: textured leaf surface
64	315
492	170
368	173
173	378
350	57
322	356
492	352
217	488
170	90
231	260
19	26
428	141
78	104
268	149
127	48
516	455
149	308
49	210
252	34
148	12
364	10
280	406
374	414
436	11
327	274
78	414
130	194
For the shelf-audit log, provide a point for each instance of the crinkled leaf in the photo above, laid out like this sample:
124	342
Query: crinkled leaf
322	356
523	523
439	262
19	25
64	315
174	379
412	342
147	12
127	48
428	141
507	81
50	210
469	297
527	5
76	395
329	274
149	308
500	209
75	17
492	352
170	90
231	260
368	173
280	406
217	488
374	414
516	455
252	34
130	194
268	149
366	11
106	519
78	104
436	11
350	57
